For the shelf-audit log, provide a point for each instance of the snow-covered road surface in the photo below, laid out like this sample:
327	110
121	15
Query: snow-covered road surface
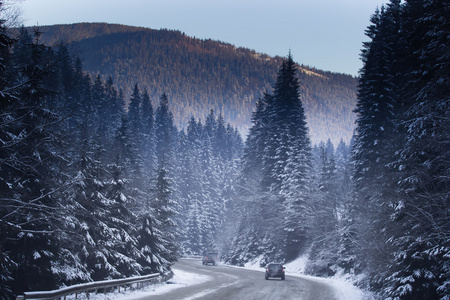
223	283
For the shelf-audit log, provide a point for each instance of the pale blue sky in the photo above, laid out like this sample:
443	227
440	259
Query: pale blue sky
326	34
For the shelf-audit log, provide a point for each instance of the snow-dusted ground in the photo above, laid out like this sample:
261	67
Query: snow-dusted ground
345	290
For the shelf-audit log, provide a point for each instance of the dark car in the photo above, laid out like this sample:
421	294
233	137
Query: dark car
210	258
275	270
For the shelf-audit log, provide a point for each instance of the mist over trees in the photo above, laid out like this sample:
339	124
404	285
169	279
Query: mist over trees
97	183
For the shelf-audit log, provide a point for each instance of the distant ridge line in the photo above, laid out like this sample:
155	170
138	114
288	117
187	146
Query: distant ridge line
203	74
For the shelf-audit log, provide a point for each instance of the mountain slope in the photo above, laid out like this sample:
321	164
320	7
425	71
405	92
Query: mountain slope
199	75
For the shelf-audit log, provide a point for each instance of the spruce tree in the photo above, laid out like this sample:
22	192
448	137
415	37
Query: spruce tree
376	139
165	213
165	134
151	245
421	269
276	170
136	134
346	252
287	160
211	124
286	124
400	151
148	130
191	190
30	167
324	221
254	147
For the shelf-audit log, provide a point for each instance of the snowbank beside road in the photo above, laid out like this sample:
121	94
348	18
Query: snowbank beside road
345	289
179	280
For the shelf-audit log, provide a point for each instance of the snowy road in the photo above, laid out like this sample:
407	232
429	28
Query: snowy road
224	283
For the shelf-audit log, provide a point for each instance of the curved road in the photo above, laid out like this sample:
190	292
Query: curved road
228	283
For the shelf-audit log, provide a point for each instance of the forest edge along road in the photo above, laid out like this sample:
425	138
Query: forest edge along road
227	282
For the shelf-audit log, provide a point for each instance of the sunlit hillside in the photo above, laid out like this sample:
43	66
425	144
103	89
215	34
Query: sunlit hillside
200	75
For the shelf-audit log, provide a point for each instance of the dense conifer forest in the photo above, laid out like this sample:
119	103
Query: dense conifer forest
91	190
198	75
98	183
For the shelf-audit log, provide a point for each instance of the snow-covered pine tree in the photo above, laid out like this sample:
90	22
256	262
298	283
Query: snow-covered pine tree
376	140
247	206
191	190
230	167
152	248
211	124
227	186
406	66
148	140
66	71
7	265
213	207
346	252
276	172
141	169
254	146
286	123
165	134
87	214
136	135
165	210
109	111
30	166
219	138
421	269
99	201
297	203
98	99
288	142
123	221
324	219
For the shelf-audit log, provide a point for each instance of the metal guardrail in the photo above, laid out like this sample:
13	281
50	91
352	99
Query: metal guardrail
89	287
